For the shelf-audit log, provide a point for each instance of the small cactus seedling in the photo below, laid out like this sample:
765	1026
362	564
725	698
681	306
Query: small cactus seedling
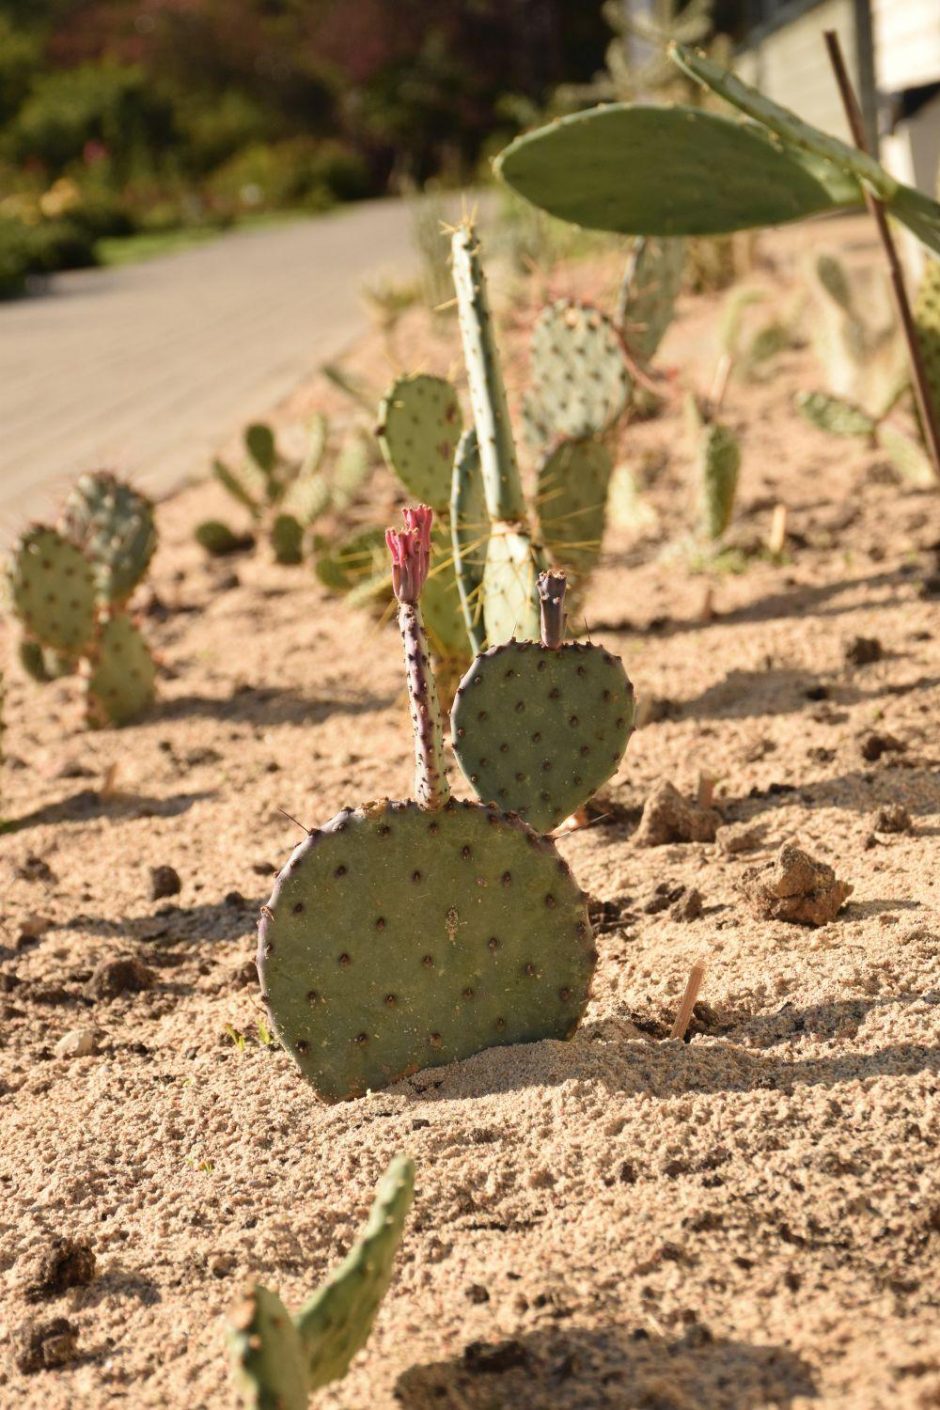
113	525
279	1360
538	727
405	935
580	384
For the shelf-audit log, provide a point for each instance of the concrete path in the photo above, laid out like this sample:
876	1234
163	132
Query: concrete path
147	368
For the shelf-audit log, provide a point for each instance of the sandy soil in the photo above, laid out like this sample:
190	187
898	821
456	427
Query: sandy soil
745	1221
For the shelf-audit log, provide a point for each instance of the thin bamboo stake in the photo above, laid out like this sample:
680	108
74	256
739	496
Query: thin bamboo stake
922	396
688	1000
777	538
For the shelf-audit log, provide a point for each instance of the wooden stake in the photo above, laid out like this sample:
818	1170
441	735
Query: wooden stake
922	396
777	538
688	1000
705	794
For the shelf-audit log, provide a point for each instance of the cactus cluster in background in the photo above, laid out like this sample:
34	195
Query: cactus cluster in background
279	1360
69	587
403	935
285	497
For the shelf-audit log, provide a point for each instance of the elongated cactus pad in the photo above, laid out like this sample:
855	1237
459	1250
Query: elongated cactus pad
649	291
509	575
278	1360
358	560
470	532
719	461
419	426
287	539
114	526
53	590
246	484
571	501
398	939
835	415
538	730
120	683
927	321
217	538
352	469
907	456
337	1320
262	448
580	384
643	170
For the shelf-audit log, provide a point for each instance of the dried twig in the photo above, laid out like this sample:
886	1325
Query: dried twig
688	1000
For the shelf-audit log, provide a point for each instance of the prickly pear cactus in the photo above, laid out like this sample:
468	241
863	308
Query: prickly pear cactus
571	502
580	383
287	539
53	590
719	462
835	415
121	674
856	335
406	935
41	663
470	533
278	1361
420	424
219	540
927	321
648	293
539	727
114	527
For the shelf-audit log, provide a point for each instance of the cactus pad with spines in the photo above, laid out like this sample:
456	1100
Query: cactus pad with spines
509	575
719	463
470	532
113	524
927	321
538	730
398	939
120	681
580	384
53	590
279	1360
571	501
419	426
835	415
649	291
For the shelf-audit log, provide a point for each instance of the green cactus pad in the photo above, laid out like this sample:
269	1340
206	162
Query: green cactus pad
835	415
538	730
267	1354
927	321
580	384
337	1320
246	484
440	602
287	539
510	603
120	683
358	560
649	292
113	525
470	532
262	448
43	664
53	591
218	539
419	427
718	468
907	456
351	471
278	1360
307	497
571	499
669	171
398	939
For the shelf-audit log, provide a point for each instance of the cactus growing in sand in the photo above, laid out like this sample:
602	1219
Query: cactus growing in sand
69	587
279	1360
403	935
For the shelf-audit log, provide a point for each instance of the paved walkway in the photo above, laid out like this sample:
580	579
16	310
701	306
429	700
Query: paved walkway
147	368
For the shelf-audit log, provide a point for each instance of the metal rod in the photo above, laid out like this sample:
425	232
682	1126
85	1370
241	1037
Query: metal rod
922	395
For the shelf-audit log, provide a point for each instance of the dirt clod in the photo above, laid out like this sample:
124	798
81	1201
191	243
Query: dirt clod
65	1263
875	744
164	881
795	888
42	1346
863	650
668	817
481	1358
124	975
739	837
688	906
893	817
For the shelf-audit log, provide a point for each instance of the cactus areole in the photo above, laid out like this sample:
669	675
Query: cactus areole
403	935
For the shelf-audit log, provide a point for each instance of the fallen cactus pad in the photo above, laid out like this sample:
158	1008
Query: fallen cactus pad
398	939
538	730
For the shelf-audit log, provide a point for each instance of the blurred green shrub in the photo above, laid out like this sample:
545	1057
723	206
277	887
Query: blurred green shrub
300	173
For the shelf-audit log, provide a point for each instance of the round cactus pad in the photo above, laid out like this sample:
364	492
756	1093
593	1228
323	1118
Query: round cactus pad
419	427
538	730
580	383
53	591
571	499
114	526
398	938
120	684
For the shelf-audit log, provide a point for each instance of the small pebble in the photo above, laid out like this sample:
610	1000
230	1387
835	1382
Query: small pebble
77	1043
164	881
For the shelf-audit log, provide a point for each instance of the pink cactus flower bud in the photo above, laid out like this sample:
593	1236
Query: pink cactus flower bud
410	551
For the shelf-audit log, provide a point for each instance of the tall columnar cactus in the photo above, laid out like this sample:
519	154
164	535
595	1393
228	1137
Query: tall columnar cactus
538	727
69	588
285	497
403	935
279	1360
